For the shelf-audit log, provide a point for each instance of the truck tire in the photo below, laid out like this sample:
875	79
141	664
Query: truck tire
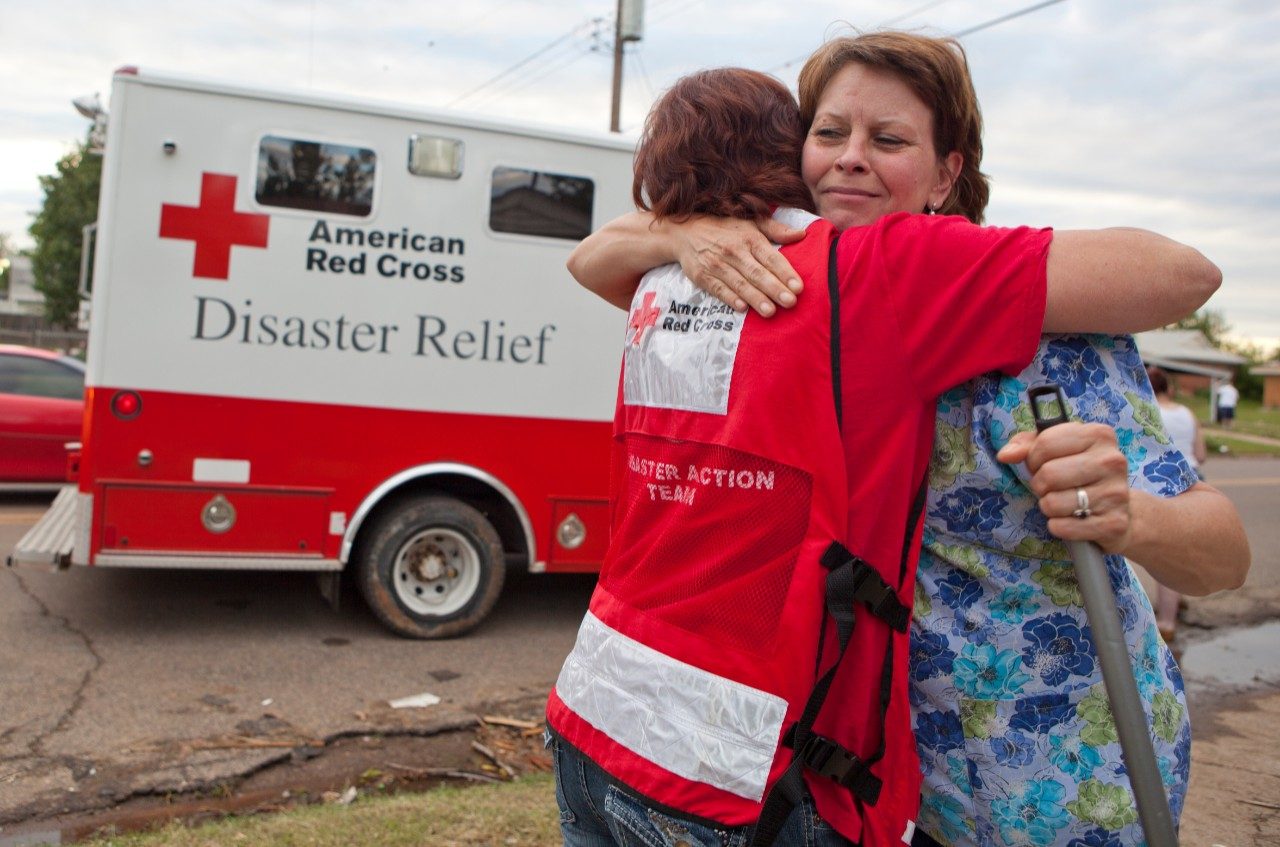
433	568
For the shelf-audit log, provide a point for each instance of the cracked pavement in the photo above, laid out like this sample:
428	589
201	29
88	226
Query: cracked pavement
119	683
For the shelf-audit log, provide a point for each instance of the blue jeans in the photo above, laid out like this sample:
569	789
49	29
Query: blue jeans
594	812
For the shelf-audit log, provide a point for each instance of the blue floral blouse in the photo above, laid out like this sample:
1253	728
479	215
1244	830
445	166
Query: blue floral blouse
1016	738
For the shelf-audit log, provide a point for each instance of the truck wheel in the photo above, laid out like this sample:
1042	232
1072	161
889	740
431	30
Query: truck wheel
433	568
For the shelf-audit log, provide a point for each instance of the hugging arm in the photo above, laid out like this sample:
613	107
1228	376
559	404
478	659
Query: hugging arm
1193	543
1123	280
734	260
1108	280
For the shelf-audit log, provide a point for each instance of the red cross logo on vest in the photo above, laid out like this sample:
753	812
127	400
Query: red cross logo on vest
644	317
215	226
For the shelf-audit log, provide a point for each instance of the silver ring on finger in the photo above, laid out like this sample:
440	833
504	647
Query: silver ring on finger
1082	504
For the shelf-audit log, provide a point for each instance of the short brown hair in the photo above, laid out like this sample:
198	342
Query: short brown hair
1159	379
938	72
722	142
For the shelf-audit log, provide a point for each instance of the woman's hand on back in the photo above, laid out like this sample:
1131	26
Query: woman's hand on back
736	261
733	260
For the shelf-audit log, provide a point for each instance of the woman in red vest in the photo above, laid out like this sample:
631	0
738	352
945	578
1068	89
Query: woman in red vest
895	131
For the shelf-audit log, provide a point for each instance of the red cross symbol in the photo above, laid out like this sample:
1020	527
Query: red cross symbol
644	317
215	226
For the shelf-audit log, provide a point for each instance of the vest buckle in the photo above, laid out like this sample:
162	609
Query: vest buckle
880	597
831	760
864	584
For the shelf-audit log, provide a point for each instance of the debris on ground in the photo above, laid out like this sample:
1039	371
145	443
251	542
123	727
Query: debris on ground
415	701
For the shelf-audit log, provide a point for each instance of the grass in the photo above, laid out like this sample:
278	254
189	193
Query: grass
522	813
1251	418
1215	440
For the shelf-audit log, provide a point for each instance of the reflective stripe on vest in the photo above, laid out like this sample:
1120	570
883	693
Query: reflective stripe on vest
694	723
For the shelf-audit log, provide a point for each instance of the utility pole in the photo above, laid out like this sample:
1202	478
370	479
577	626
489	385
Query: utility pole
629	26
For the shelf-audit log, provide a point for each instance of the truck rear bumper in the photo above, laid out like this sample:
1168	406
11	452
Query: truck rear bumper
49	543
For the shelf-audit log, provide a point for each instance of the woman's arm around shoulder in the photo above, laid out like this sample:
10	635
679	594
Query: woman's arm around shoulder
1123	280
734	260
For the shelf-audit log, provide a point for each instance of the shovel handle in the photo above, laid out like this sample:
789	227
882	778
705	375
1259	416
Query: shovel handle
1049	408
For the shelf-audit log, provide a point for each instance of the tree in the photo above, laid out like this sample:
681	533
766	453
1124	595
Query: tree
70	202
1215	327
1211	323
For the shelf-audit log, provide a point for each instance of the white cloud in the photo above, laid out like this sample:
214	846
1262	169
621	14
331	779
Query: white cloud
1147	113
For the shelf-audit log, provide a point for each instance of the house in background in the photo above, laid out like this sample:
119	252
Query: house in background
1190	360
22	319
22	297
1270	374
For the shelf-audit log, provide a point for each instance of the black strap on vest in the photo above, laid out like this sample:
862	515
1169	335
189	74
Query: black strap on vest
886	673
850	580
867	586
844	585
833	294
811	750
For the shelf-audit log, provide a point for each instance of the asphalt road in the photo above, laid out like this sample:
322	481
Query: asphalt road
115	682
155	679
1254	487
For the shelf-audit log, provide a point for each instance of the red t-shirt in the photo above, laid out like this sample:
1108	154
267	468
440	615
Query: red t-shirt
927	303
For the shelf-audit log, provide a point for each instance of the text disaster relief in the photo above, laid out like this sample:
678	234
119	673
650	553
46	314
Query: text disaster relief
488	340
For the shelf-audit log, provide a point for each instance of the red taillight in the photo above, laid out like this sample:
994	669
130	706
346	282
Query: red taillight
126	405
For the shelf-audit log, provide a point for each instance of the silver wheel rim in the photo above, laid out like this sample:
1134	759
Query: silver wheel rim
436	572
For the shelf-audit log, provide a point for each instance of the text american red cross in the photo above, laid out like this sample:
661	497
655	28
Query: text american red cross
215	226
645	316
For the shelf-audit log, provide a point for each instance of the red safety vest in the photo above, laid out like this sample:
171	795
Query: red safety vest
726	600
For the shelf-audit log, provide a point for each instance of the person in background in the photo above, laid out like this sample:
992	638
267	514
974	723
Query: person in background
1228	398
1184	431
1014	733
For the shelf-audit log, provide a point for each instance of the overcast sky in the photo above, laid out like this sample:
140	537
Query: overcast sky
1164	115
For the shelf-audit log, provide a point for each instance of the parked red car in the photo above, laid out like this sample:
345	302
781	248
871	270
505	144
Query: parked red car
41	408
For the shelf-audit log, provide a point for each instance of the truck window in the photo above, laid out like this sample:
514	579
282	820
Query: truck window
315	176
538	203
34	377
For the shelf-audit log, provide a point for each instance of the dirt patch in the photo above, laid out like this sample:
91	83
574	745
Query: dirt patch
502	742
1246	607
1234	796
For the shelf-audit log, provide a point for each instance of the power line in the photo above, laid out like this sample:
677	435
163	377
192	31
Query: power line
904	16
564	56
549	64
526	60
525	82
911	14
644	73
959	34
1028	10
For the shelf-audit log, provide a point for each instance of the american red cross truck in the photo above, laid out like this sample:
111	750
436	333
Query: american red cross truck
331	335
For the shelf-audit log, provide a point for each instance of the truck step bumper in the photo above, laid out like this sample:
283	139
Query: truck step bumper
47	545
